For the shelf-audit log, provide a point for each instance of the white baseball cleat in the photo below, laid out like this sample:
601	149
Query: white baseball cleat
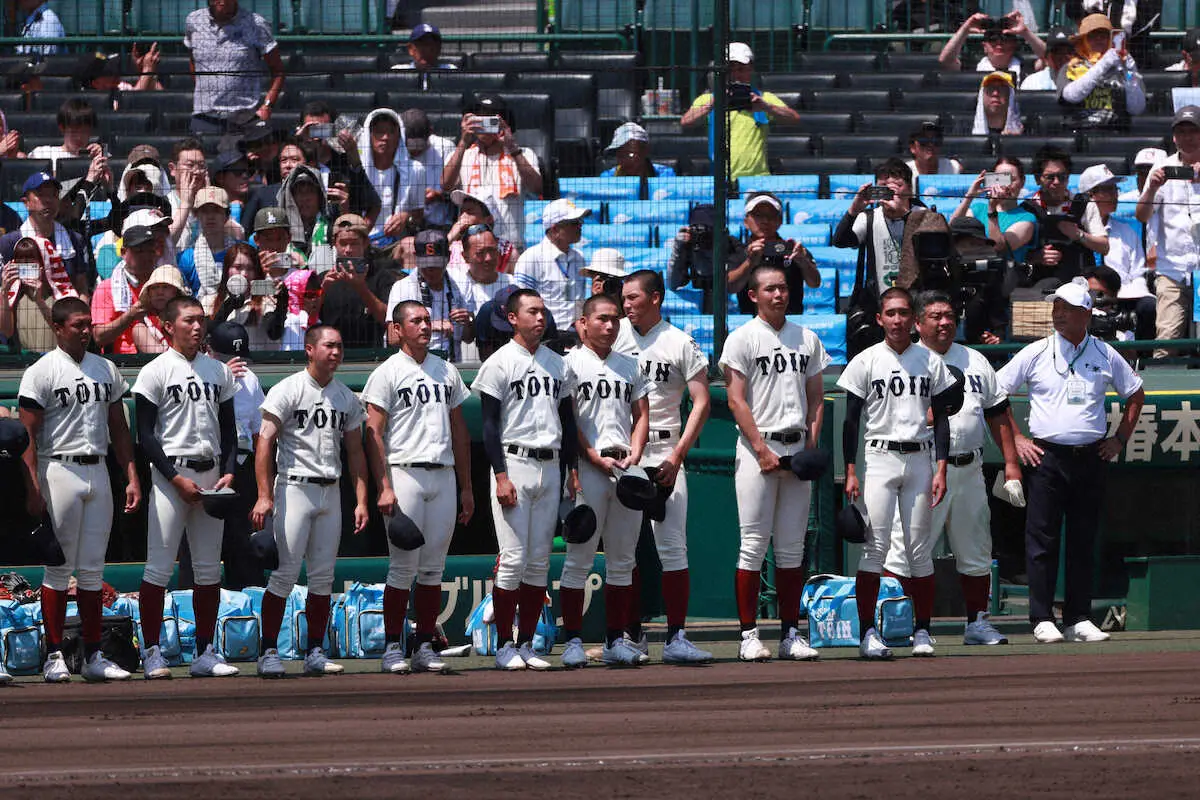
795	647
393	660
752	648
98	669
211	664
508	658
55	669
923	644
317	663
679	650
642	645
872	647
426	660
1084	631
270	665
981	631
532	659
622	653
154	666
1047	632
573	655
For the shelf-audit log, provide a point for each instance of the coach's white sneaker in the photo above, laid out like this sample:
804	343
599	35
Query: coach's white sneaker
55	669
532	659
98	669
621	653
642	645
795	647
872	647
981	631
393	660
270	665
679	650
1047	632
751	648
923	644
1084	631
317	663
426	660
154	666
211	664
508	658
573	655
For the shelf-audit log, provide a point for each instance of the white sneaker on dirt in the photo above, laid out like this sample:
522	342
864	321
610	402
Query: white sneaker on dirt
154	666
98	669
573	655
923	644
426	660
317	663
981	631
393	660
508	658
621	653
270	665
795	647
1084	631
679	650
751	648
1046	632
55	669
211	664
872	647
532	659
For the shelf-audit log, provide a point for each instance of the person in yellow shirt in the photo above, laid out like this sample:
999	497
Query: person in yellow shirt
750	113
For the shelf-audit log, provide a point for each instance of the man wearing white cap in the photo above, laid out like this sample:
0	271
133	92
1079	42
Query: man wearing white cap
750	112
118	307
553	267
630	146
1067	375
475	210
1146	159
764	215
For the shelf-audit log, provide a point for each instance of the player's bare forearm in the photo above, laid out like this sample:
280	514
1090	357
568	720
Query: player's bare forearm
736	393
1129	417
641	430
460	444
264	458
1001	427
122	443
357	461
32	420
814	390
701	406
376	422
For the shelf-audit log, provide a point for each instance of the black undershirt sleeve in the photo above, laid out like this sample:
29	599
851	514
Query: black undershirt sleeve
997	409
854	408
492	445
570	434
147	418
941	425
227	421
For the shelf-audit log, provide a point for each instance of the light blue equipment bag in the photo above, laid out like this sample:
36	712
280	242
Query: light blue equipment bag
832	609
168	636
20	638
238	635
358	629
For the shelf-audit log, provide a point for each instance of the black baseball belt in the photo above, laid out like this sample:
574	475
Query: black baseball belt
311	480
963	459
1069	450
614	452
420	465
76	459
784	437
198	464
535	453
899	447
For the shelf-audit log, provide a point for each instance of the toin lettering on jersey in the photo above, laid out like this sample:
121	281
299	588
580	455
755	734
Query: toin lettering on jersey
605	389
899	384
194	391
321	418
656	371
423	393
534	386
85	392
780	363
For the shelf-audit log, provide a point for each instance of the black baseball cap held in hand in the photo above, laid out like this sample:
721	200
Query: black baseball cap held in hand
264	548
45	543
577	525
807	465
403	532
852	524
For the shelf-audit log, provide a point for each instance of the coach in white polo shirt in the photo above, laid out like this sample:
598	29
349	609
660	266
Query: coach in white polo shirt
1067	375
553	267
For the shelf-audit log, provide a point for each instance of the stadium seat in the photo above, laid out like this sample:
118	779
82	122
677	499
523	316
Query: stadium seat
623	212
779	82
69	169
960	104
15	171
966	82
636	258
180	122
531	111
1149	125
812	211
426	101
120	122
619	236
839	62
89	18
858	145
846	186
1103	142
682	302
677	15
462	82
19	209
838	100
1024	147
574	95
678	146
809	235
318	16
336	64
305	83
830	329
353	102
825	122
822	165
443	123
953	146
159	101
822	299
34	123
385	81
51	101
508	62
909	62
600	189
60	64
786	187
12	103
59	84
949	188
885	81
893	122
695	189
1117	163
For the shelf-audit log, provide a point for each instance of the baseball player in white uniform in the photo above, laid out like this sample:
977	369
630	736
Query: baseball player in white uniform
776	395
963	514
612	414
525	390
309	416
186	427
417	444
71	404
896	383
674	364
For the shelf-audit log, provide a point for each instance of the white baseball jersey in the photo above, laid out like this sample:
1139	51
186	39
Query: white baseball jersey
605	393
312	421
669	358
417	399
529	387
247	408
188	395
897	388
981	392
74	397
776	365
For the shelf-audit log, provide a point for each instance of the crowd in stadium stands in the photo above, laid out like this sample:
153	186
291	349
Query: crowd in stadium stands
339	220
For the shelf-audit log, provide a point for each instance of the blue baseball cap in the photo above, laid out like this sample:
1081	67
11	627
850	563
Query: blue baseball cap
37	180
424	29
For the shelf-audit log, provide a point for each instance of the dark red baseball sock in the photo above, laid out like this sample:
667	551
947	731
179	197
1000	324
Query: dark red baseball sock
866	591
427	602
150	605
572	611
922	593
272	619
616	611
316	609
205	600
91	606
789	583
54	615
504	606
633	625
395	607
976	590
676	589
746	584
532	600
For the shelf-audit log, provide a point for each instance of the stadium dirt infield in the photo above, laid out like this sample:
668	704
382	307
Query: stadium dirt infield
1041	725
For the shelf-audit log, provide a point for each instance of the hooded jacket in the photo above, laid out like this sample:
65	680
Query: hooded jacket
318	234
403	194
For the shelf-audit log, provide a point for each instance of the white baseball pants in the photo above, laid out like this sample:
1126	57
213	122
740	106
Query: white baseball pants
965	517
79	499
428	497
170	515
670	535
618	525
525	532
897	482
308	528
773	504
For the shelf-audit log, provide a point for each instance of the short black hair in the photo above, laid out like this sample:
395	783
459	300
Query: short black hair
64	309
590	304
513	304
176	305
402	307
416	124
925	299
185	144
650	281
76	112
1047	154
318	108
896	291
313	334
757	273
893	167
466	240
1107	276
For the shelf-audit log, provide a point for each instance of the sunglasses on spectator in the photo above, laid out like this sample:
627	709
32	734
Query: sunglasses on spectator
924	142
478	228
1049	177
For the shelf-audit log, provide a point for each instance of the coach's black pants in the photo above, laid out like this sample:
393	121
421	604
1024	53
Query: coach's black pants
1070	481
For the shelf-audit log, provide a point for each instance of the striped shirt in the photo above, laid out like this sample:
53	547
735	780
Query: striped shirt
229	60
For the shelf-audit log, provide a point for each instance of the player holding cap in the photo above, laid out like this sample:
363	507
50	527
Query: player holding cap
964	513
417	442
776	395
612	411
673	363
71	405
186	428
310	416
896	383
525	390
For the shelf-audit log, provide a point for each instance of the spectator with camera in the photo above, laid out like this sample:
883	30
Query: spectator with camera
474	211
1069	230
630	146
1001	38
1101	85
1189	64
77	121
766	248
1168	207
357	285
247	297
925	145
607	272
207	252
1010	227
64	252
1113	319
390	172
452	323
25	299
1059	50
749	112
974	275
691	260
996	110
429	153
337	157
